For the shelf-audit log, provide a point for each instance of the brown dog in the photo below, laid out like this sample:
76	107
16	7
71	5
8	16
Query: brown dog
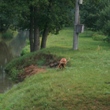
62	63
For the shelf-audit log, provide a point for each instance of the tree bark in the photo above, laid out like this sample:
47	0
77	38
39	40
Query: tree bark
31	29
36	39
44	37
46	29
36	30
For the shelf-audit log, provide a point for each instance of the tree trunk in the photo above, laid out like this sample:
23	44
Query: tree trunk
46	29
31	39
44	38
31	29
36	30
36	38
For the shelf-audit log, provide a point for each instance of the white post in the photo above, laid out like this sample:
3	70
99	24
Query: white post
80	1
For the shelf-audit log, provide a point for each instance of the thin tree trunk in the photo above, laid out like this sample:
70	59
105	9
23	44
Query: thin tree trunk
44	38
36	39
46	29
31	39
36	31
31	29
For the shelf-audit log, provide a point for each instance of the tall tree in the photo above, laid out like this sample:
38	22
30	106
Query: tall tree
40	17
105	25
50	16
6	18
57	15
90	12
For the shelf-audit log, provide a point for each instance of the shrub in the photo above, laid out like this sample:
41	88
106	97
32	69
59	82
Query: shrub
7	35
16	66
25	50
107	39
98	37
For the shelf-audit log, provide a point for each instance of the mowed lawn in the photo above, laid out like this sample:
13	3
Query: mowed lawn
83	85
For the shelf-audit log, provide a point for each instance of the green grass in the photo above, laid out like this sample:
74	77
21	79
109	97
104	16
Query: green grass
83	85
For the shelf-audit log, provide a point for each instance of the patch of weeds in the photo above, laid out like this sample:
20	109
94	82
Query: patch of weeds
98	37
41	62
7	36
15	67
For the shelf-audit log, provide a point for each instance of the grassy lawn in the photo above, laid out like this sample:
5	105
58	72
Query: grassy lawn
83	85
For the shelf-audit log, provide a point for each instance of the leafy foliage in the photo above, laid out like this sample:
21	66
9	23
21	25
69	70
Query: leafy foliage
105	25
98	36
105	17
7	35
39	15
5	16
95	16
89	13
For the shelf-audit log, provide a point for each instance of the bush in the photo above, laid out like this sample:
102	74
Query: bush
7	35
16	66
98	37
25	50
107	39
106	28
103	23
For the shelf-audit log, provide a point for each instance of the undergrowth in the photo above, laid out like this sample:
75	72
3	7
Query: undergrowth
16	67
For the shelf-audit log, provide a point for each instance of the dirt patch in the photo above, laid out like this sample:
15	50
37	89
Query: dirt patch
30	70
33	64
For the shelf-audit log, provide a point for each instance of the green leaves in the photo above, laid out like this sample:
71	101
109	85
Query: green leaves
95	15
105	17
54	11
